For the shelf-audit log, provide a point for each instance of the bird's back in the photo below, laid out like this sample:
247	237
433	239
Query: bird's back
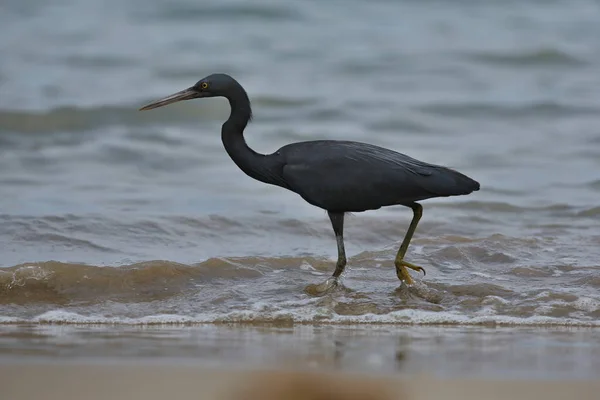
353	176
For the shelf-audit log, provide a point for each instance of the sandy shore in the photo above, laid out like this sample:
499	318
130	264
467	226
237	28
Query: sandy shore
93	382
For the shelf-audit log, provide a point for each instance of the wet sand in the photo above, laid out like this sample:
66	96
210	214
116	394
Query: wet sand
117	381
438	351
230	362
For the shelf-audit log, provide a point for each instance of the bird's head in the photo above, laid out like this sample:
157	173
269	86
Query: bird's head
214	85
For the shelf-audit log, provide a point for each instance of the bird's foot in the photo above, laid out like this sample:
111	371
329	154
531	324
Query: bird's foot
322	288
402	272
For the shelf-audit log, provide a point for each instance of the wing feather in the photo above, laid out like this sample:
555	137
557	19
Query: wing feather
357	176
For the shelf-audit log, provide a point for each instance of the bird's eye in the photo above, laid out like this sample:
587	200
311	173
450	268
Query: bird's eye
204	85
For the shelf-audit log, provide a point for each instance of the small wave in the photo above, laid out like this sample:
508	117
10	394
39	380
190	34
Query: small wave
590	212
97	61
282	102
533	58
401	317
556	210
595	185
210	12
399	125
55	282
592	281
483	205
69	242
548	110
54	230
78	119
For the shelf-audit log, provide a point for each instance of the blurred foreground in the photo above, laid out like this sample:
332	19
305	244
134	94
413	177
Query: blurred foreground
95	382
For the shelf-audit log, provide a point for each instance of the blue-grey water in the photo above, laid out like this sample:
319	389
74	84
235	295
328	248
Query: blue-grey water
109	215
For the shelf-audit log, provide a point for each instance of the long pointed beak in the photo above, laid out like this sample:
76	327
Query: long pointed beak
187	94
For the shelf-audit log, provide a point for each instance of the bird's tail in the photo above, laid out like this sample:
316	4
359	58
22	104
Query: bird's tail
464	184
449	182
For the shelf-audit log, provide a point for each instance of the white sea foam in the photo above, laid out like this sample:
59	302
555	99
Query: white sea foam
9	320
316	316
587	304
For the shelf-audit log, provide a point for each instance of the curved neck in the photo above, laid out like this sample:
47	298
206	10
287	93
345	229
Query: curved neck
255	165
241	111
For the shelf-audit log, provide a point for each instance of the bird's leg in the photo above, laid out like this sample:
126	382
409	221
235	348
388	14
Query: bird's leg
337	221
400	264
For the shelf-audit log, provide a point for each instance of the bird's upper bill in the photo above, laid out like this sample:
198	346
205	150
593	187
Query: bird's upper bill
187	94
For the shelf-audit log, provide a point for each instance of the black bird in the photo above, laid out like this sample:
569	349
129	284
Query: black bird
337	176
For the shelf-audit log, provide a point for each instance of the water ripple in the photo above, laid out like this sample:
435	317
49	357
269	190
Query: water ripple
544	57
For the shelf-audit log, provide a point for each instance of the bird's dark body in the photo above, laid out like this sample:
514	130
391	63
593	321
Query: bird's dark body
344	176
338	176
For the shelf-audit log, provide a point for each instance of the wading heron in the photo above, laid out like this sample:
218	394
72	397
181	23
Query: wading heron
337	176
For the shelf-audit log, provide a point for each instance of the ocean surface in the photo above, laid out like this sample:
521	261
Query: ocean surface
113	216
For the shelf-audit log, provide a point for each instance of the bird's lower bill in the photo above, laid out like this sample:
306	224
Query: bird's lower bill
186	94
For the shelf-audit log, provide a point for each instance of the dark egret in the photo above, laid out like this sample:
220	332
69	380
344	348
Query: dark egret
337	176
